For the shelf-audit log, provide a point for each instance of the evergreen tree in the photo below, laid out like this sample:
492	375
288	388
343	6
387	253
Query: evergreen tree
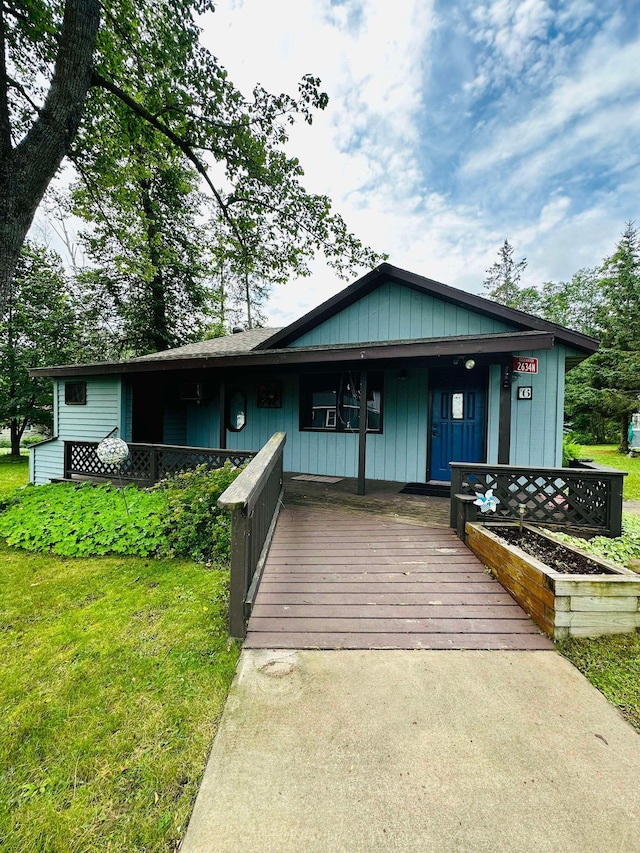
502	283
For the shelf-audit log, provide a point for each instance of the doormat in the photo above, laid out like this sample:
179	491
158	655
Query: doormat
428	489
317	478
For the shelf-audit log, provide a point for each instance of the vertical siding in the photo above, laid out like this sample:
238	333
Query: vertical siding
536	427
127	410
174	424
394	312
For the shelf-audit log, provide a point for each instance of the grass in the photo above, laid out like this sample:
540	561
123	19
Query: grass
13	473
608	454
114	673
612	664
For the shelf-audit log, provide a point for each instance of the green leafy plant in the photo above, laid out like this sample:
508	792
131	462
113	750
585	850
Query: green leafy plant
570	450
195	526
620	550
85	520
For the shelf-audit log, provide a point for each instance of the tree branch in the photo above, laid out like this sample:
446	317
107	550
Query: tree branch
182	145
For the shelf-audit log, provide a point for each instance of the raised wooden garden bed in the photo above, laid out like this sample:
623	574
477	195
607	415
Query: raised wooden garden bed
562	604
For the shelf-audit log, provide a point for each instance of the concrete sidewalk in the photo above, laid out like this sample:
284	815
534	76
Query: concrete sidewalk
417	751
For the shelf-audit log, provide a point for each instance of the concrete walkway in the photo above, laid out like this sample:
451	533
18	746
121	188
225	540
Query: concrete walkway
417	751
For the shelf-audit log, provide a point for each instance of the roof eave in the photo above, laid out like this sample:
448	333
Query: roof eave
418	349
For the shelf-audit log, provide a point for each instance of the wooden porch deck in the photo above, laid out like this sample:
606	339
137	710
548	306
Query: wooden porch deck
343	579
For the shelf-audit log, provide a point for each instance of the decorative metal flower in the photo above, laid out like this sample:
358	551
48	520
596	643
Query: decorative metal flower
487	501
112	451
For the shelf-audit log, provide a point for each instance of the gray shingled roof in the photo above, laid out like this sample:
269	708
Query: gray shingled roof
238	344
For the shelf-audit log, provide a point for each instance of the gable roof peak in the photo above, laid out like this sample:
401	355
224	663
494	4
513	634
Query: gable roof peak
388	272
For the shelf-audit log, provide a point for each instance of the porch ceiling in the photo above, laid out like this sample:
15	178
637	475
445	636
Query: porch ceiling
422	348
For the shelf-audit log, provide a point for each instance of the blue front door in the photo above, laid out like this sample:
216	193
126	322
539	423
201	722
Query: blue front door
458	421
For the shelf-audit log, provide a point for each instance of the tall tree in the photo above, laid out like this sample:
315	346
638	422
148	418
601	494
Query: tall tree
615	369
38	327
67	67
502	283
146	248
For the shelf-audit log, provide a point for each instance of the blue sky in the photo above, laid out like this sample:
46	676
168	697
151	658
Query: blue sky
454	125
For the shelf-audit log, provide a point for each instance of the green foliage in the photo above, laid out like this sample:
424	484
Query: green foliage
570	450
612	664
195	526
85	520
37	328
620	550
502	283
114	672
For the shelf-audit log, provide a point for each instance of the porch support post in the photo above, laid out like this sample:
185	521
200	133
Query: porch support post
504	415
222	430
362	432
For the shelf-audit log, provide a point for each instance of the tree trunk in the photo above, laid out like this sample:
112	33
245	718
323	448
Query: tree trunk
27	169
16	435
624	433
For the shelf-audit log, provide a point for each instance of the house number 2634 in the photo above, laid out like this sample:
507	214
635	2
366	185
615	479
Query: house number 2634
525	392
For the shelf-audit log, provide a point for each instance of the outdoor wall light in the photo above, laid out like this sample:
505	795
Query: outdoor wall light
469	364
403	374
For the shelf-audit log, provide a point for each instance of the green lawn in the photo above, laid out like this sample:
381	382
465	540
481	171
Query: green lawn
612	664
13	473
608	454
114	673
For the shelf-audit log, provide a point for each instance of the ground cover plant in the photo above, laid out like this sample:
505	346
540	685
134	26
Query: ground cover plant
612	664
179	517
621	550
610	456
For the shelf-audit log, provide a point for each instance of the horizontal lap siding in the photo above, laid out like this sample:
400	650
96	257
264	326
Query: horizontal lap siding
394	312
98	417
48	462
90	422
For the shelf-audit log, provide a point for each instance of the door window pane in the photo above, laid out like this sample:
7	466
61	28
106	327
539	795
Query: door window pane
457	406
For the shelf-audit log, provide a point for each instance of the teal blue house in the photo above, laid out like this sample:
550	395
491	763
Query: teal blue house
391	379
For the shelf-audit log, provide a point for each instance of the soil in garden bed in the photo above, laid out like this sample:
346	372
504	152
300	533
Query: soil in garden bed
553	554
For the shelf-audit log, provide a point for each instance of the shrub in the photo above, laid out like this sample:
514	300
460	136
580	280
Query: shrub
570	450
195	526
82	520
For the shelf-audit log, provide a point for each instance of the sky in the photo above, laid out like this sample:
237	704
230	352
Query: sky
452	126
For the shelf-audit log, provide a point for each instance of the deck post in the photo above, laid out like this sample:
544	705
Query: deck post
240	554
504	416
615	505
222	438
362	433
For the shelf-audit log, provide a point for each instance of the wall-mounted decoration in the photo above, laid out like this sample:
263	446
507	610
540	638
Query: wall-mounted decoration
270	395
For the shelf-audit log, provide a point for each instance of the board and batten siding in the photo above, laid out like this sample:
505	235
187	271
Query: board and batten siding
91	422
398	453
536	424
393	312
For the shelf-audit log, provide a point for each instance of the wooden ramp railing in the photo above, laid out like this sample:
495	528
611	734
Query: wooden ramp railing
254	499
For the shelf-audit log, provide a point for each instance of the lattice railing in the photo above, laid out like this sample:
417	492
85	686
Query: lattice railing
147	463
589	499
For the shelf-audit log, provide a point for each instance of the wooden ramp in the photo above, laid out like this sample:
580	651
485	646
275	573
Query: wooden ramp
347	580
